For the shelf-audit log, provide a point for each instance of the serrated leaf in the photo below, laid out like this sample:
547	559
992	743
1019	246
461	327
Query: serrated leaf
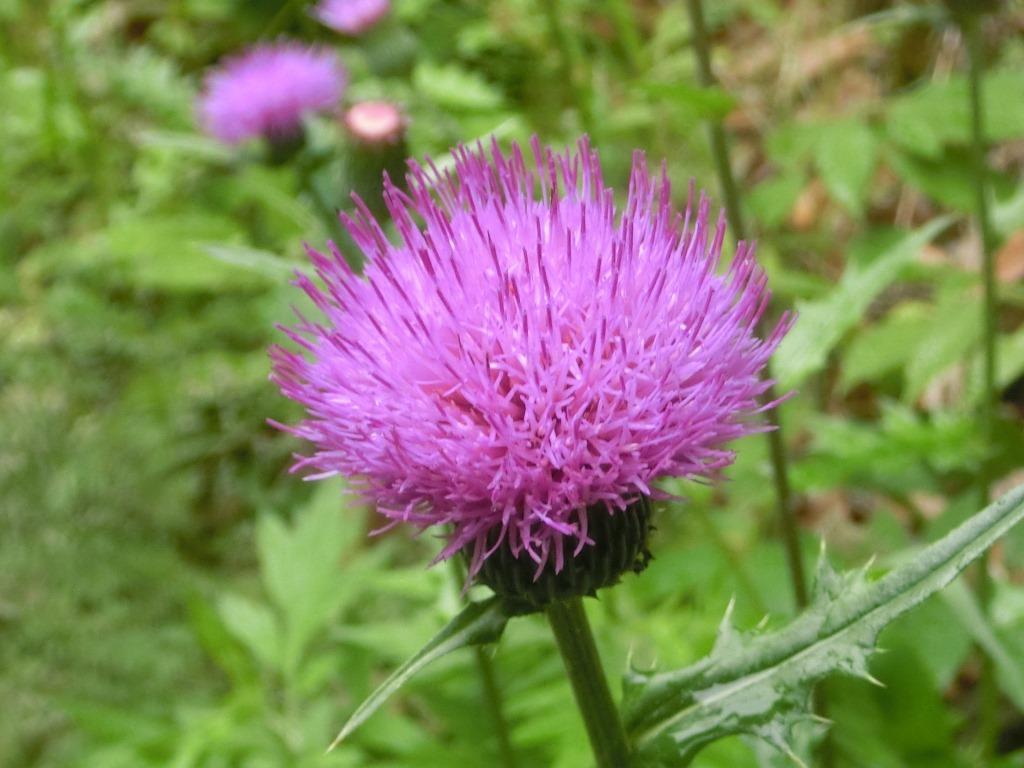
301	565
766	684
477	624
822	323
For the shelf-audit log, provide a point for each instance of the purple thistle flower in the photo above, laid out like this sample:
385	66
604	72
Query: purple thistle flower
351	17
267	90
527	351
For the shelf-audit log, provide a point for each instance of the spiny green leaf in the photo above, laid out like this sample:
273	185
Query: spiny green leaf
760	685
477	624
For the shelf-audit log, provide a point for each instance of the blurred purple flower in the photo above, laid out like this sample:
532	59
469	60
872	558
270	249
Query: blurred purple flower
351	17
527	351
266	90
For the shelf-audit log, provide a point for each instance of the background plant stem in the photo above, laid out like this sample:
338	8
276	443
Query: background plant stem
575	641
572	64
776	445
491	690
970	27
495	705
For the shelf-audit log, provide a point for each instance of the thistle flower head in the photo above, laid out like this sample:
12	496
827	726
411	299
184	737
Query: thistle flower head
267	90
351	17
527	351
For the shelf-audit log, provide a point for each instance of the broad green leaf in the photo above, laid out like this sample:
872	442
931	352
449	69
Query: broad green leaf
949	341
938	114
883	348
773	199
948	179
760	685
456	88
846	154
478	624
822	323
165	252
710	102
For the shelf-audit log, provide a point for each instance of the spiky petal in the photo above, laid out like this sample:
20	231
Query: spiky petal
527	350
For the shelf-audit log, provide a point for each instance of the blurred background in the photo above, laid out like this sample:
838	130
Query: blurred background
171	596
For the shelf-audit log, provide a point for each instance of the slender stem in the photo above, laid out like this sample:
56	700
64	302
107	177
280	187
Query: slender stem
583	665
970	27
491	690
776	444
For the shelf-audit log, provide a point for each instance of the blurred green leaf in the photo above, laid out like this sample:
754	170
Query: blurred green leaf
710	102
947	342
773	199
1009	669
878	261
936	114
884	347
301	565
167	252
451	86
254	624
846	152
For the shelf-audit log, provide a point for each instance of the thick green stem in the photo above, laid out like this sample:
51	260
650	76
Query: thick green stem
776	445
969	25
568	621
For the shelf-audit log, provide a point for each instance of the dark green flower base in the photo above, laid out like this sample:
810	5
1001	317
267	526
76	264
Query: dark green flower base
283	148
620	546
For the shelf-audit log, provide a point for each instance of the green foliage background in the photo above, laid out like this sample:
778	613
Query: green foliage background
170	596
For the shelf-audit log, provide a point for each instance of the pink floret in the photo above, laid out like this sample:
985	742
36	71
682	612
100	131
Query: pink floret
527	350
